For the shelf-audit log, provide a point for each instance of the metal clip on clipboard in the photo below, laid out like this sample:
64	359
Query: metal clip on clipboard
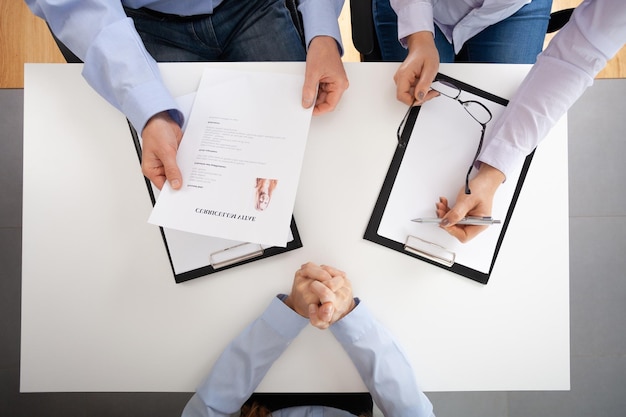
429	250
234	254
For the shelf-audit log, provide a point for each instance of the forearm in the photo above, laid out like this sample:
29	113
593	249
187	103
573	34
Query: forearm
117	64
130	81
382	364
246	360
560	76
548	91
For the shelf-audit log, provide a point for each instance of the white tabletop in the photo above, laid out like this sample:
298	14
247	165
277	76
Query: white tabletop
101	310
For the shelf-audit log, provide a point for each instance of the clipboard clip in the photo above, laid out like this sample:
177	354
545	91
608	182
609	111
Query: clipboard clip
429	250
234	254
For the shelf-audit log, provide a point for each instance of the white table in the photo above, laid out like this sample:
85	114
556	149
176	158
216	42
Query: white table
101	311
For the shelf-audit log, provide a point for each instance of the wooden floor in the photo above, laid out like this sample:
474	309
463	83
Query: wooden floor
25	38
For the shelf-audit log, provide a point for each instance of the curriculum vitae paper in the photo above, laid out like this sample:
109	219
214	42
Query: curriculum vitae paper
240	158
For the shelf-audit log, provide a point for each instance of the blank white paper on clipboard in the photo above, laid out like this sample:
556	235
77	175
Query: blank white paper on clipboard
434	163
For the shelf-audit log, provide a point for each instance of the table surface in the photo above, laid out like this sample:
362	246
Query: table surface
101	311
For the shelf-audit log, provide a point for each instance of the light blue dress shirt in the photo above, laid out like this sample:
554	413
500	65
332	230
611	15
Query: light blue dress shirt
117	64
382	364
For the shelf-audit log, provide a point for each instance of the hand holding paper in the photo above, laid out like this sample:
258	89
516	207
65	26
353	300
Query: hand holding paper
161	137
325	76
240	159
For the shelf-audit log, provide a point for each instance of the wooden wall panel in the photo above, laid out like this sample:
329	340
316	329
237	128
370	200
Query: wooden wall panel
23	38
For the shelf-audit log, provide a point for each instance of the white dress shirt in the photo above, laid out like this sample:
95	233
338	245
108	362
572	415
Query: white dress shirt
459	20
581	49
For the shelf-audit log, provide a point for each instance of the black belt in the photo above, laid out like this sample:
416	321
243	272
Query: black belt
167	16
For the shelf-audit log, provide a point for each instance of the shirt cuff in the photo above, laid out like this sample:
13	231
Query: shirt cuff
414	17
320	18
502	155
282	319
354	325
148	99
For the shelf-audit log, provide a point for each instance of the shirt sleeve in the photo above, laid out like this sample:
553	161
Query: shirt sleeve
117	64
413	16
320	18
563	72
243	364
382	364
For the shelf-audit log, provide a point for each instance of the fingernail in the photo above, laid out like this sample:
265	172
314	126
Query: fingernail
175	184
312	309
420	96
444	223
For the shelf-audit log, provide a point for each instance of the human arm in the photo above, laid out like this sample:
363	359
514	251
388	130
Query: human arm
418	70
325	78
484	186
562	73
245	361
382	364
416	32
116	64
564	70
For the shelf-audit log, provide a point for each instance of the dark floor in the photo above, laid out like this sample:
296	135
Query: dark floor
597	148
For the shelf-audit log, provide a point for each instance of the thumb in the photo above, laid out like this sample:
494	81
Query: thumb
309	90
326	312
172	173
426	78
456	213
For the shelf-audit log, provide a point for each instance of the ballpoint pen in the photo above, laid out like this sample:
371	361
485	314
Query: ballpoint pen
469	220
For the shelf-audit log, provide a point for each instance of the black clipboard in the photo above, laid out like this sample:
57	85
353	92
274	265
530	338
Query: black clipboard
229	255
428	250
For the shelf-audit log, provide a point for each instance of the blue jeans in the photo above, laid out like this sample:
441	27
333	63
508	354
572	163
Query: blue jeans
517	39
249	30
386	26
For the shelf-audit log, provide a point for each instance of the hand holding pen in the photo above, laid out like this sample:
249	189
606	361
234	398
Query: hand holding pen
461	222
478	203
465	221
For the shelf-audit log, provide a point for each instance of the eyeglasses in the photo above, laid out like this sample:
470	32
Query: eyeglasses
477	110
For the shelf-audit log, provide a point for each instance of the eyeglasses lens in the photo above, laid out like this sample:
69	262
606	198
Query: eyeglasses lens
445	88
478	111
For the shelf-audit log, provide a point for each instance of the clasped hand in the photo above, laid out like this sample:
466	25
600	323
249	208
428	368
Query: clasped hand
321	293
